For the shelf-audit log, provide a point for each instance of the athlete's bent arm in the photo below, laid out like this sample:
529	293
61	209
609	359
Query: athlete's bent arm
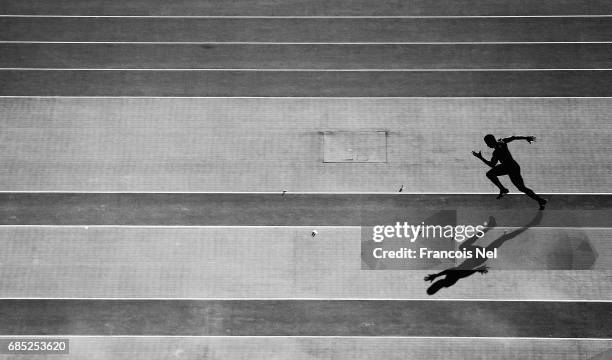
529	139
491	163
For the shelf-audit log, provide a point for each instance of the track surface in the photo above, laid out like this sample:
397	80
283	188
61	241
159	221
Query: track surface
306	318
308	8
184	145
296	210
306	30
314	348
307	83
244	56
85	144
287	263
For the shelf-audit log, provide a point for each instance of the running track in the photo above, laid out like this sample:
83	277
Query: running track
296	307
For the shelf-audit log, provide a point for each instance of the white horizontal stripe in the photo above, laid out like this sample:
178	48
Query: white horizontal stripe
300	97
299	70
188	227
285	227
304	16
289	192
305	299
237	337
302	43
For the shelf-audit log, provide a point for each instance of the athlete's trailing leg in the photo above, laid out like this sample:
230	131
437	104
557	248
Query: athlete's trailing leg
517	180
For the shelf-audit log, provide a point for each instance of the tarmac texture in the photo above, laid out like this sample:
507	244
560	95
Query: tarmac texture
145	147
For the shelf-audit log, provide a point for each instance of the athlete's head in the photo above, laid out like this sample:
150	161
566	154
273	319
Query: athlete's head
490	140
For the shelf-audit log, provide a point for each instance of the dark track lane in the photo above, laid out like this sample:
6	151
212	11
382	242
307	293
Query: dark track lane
307	30
242	56
307	83
307	318
306	8
296	210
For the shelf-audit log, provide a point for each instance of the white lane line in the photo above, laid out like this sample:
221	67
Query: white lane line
307	16
322	337
304	42
303	299
268	227
289	192
321	98
301	70
189	227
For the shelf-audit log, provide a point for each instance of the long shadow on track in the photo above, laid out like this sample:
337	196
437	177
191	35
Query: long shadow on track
475	264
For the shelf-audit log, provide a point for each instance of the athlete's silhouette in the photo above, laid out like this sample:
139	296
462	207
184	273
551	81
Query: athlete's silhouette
475	265
507	166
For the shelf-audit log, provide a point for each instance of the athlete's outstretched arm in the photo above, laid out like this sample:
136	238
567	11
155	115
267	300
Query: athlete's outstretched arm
489	163
483	269
529	139
432	277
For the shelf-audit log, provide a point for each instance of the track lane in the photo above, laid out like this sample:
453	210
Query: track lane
312	348
306	83
316	30
306	318
287	263
307	8
227	56
243	209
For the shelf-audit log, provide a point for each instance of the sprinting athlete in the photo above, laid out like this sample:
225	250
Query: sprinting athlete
507	166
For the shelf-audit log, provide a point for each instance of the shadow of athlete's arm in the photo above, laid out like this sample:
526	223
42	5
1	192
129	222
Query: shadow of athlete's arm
491	223
432	277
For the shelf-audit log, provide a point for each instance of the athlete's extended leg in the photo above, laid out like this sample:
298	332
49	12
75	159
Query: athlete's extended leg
493	174
517	180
